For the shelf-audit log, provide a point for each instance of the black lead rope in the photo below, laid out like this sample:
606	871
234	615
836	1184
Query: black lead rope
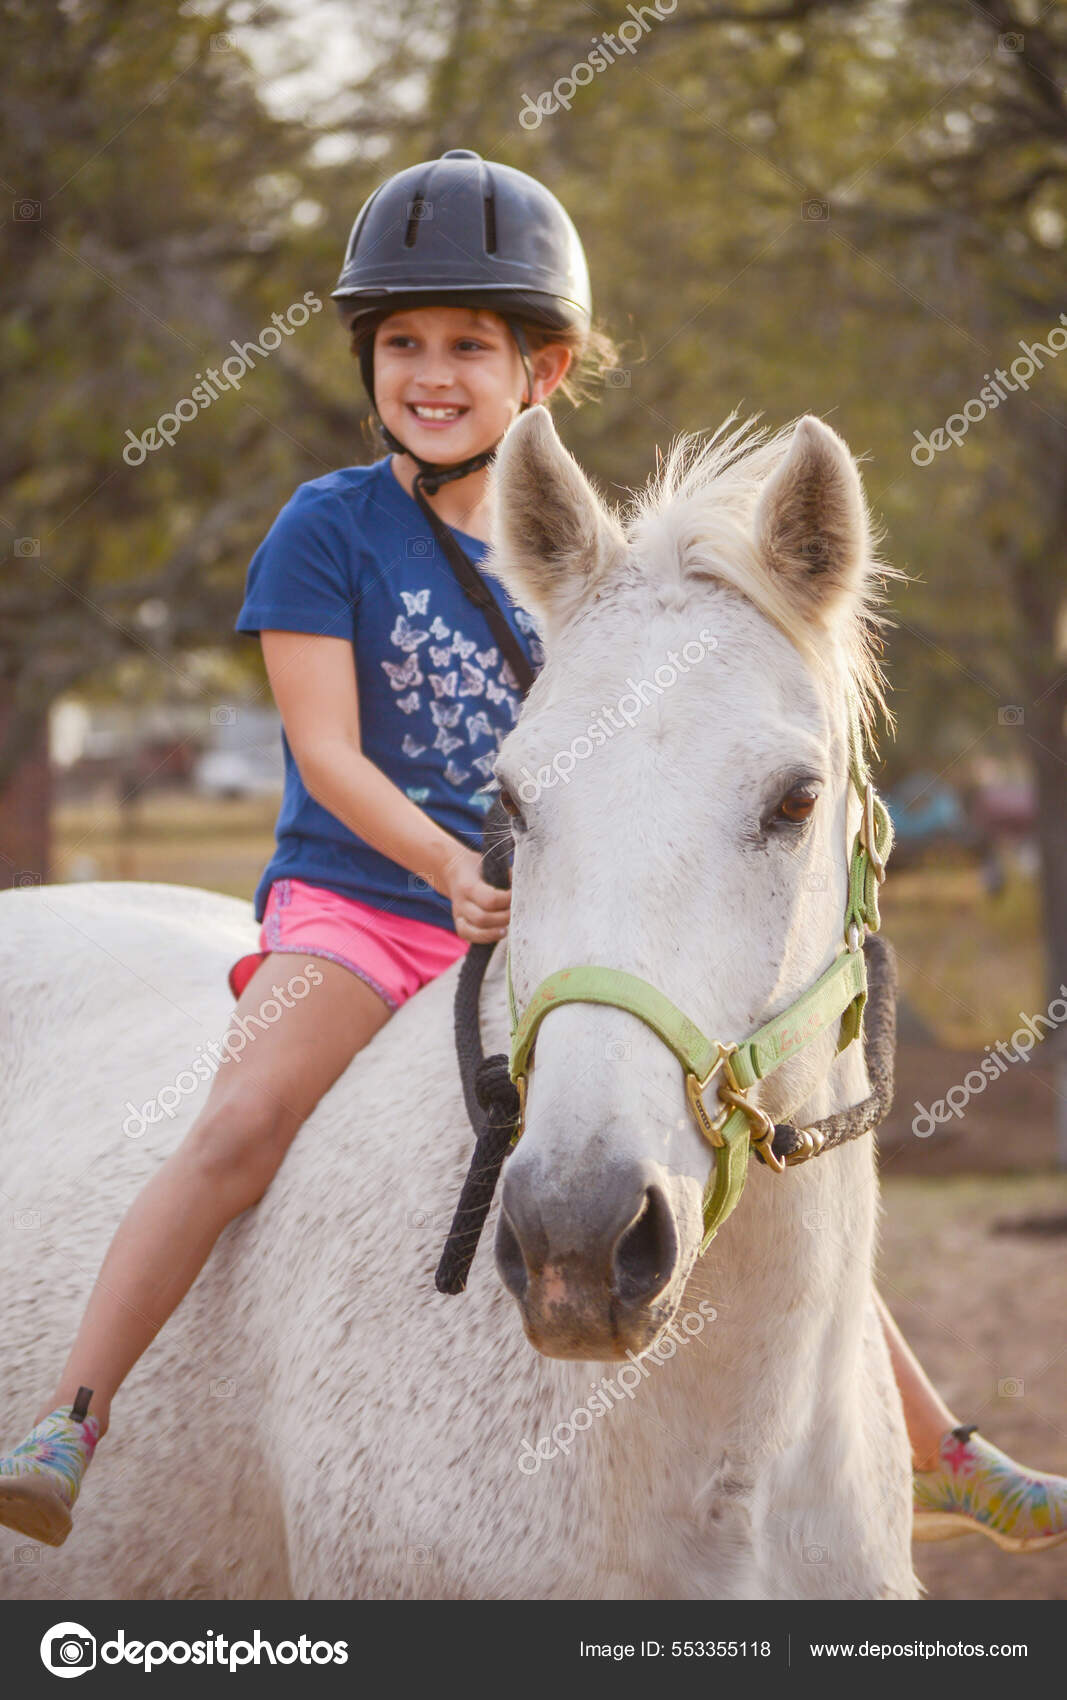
493	1101
491	1096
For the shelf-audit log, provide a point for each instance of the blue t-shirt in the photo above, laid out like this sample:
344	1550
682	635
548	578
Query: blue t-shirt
352	555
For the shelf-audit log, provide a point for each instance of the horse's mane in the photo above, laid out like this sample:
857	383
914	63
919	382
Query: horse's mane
697	511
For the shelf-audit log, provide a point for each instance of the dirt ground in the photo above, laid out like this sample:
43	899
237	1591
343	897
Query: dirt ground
972	1268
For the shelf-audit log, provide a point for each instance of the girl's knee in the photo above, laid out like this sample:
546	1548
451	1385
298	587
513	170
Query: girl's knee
238	1144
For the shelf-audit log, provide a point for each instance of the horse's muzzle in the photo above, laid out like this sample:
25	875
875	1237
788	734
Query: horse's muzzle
594	1273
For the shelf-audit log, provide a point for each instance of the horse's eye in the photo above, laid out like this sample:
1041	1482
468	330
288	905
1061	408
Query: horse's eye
511	808
797	805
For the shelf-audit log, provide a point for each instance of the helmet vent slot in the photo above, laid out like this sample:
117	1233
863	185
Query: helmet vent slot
415	215
489	206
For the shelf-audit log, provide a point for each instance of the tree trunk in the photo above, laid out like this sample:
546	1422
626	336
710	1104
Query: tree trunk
25	808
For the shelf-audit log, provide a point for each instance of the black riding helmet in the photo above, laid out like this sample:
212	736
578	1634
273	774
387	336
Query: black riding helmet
461	231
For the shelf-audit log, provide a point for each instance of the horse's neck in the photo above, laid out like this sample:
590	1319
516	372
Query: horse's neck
789	1279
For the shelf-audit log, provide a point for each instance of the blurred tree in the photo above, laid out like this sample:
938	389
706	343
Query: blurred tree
153	215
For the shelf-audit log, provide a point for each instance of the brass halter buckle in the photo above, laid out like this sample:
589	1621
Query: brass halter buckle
732	1097
520	1125
710	1127
867	833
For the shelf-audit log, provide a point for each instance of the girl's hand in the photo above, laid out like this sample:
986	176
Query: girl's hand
479	910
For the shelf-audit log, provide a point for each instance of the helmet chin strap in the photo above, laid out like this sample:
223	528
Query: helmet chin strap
432	474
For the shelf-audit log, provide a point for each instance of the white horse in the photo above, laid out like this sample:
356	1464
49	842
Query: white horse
316	1420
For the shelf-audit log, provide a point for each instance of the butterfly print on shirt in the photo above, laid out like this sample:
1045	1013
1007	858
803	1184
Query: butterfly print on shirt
416	602
445	714
444	687
411	746
477	725
463	646
405	635
407	673
409	703
445	741
473	680
455	775
438	629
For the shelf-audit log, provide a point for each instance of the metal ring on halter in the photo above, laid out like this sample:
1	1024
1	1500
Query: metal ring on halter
761	1127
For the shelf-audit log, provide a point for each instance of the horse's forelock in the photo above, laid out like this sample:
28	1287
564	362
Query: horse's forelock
696	514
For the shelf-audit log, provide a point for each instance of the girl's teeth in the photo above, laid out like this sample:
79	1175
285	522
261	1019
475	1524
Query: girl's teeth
437	412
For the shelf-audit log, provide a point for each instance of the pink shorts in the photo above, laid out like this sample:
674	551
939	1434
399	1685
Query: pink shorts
393	954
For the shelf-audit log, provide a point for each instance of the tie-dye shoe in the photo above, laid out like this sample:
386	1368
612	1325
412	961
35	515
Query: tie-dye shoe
40	1480
977	1489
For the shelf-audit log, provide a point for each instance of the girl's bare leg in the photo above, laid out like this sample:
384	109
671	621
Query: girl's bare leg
925	1412
257	1102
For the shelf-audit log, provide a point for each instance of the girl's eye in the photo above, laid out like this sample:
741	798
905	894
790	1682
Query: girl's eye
797	805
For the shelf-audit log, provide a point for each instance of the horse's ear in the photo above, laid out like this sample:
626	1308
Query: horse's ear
812	529
553	538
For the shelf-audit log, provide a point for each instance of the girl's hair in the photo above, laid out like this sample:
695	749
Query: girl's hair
593	351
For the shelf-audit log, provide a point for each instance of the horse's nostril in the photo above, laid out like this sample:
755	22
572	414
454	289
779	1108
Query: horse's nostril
509	1258
646	1254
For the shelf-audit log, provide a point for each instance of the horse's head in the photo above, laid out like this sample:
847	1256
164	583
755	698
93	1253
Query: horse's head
678	787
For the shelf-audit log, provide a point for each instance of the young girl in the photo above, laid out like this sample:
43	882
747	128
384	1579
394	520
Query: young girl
466	291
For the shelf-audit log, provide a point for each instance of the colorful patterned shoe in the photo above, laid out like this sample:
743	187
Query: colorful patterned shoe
40	1480
977	1489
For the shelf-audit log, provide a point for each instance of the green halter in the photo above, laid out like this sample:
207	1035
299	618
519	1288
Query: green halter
837	996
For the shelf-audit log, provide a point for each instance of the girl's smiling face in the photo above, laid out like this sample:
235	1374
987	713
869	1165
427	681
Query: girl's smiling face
449	380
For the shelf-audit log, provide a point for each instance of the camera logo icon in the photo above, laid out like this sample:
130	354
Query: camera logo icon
68	1649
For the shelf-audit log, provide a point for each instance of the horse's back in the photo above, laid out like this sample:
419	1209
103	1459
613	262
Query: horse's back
101	986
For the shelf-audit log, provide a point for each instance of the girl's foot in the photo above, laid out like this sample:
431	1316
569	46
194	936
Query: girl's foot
977	1489
40	1480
